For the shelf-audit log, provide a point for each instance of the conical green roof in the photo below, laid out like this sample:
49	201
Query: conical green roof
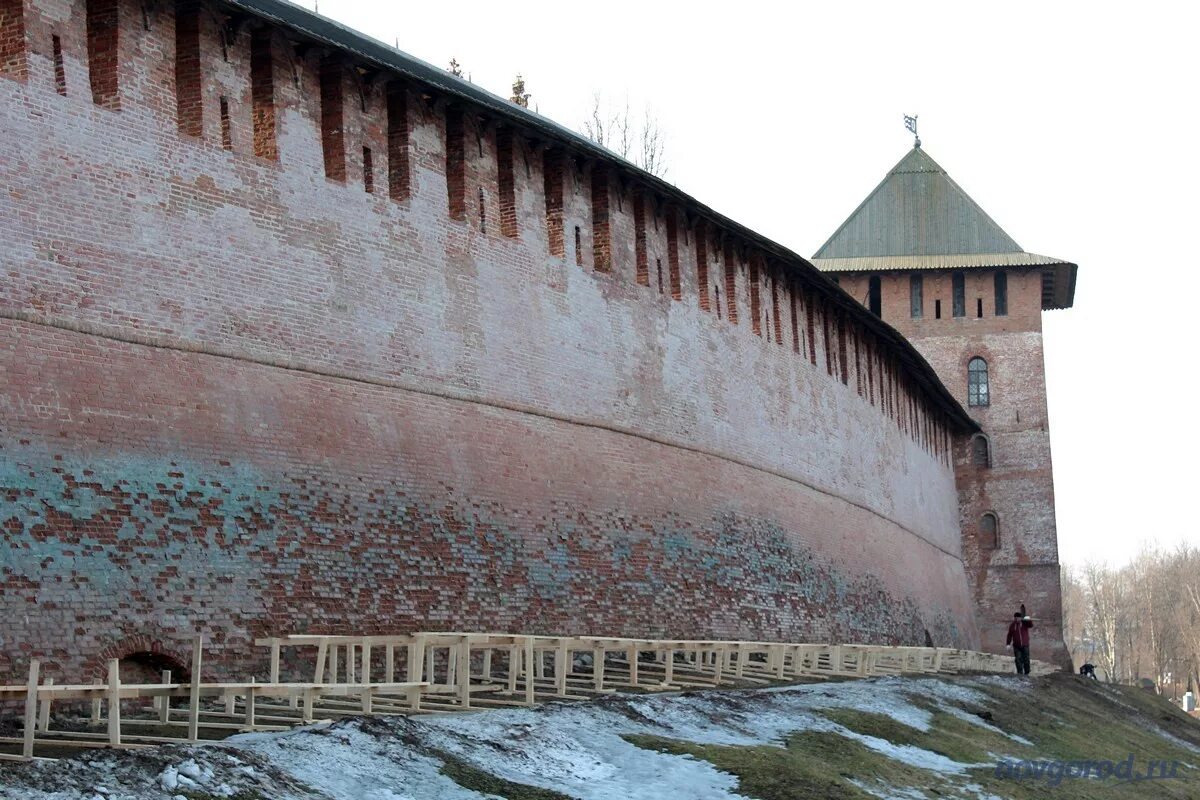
919	218
917	210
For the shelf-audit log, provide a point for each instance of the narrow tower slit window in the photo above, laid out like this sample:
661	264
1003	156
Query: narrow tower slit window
959	285
60	72
979	308
226	126
1001	286
368	171
937	309
978	390
916	295
578	247
875	296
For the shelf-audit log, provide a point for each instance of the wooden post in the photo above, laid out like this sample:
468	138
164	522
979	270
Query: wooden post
598	667
414	698
350	671
96	711
364	671
529	690
306	712
322	653
539	665
631	655
562	666
429	664
487	665
463	674
164	702
194	700
514	668
44	712
416	659
670	662
718	658
333	663
114	702
31	693
250	694
389	664
274	661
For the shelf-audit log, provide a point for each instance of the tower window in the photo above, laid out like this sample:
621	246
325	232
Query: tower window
875	296
978	393
1001	280
981	451
937	309
959	282
989	531
916	295
979	307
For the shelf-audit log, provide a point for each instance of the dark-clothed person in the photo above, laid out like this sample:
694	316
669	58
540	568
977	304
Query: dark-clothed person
1018	637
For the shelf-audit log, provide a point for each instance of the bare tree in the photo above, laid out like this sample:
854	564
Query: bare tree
1106	597
638	140
1139	621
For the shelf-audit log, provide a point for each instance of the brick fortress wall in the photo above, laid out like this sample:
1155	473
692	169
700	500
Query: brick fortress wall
1018	483
286	346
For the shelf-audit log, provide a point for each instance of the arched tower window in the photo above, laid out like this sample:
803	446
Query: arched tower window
989	531
978	393
875	296
981	451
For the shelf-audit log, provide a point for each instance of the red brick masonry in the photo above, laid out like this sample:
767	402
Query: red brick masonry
240	397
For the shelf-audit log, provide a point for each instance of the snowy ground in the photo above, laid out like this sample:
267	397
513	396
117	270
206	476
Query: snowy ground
573	748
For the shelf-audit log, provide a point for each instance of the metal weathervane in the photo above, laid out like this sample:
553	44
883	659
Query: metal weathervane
911	124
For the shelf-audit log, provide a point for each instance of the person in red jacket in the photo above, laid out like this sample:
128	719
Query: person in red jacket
1018	637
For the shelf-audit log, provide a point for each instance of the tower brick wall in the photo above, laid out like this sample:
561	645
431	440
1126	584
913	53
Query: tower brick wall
241	395
1018	483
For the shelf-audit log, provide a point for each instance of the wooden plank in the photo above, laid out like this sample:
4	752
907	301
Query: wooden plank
31	690
194	699
164	702
44	712
114	702
529	688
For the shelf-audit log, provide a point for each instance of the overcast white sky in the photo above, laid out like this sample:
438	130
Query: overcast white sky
1075	125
